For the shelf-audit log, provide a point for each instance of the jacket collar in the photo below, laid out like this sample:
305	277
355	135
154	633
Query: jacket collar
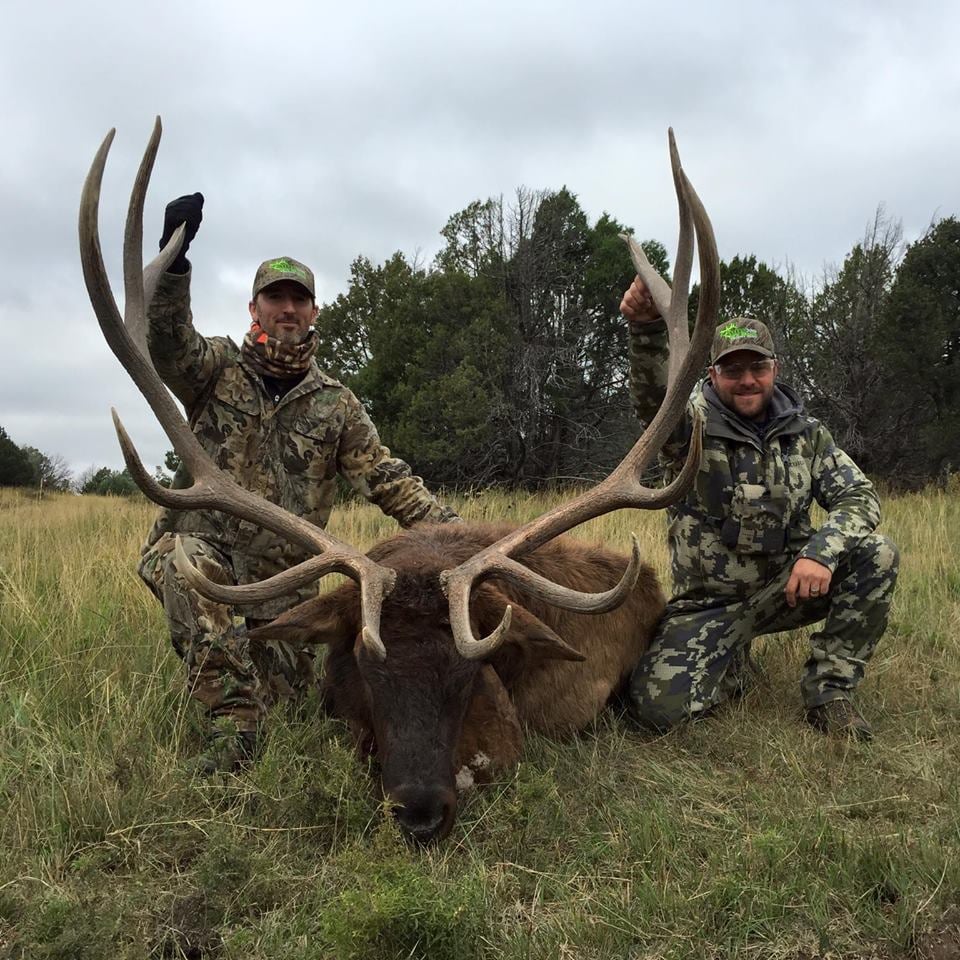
314	379
785	416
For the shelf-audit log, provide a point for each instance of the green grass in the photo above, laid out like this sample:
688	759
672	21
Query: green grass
747	835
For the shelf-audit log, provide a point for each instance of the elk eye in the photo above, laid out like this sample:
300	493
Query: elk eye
444	621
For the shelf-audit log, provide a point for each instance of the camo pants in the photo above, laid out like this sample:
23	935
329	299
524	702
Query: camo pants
230	676
698	649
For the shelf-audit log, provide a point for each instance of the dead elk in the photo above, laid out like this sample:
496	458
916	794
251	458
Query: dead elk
448	639
437	720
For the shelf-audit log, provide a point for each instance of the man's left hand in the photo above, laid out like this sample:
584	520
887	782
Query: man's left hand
809	580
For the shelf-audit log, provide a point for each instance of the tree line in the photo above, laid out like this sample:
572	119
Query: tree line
28	467
505	360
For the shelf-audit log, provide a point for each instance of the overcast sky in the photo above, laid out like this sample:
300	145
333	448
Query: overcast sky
326	131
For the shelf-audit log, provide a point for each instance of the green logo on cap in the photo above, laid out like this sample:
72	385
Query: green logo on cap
733	332
283	265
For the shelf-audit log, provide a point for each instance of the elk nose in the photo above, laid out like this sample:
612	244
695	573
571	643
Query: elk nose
424	814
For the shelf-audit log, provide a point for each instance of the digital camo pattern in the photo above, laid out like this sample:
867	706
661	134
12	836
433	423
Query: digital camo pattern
744	524
696	658
288	450
748	513
228	676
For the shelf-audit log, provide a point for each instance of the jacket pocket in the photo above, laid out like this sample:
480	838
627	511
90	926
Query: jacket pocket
725	571
757	521
310	448
230	429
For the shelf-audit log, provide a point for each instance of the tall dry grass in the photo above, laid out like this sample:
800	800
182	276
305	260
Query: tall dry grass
746	835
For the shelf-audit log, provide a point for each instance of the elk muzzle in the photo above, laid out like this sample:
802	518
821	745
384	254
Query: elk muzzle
424	812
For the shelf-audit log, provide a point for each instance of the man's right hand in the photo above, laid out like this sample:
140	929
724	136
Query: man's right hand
637	304
187	209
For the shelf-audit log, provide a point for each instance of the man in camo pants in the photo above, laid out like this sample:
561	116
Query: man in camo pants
271	419
745	559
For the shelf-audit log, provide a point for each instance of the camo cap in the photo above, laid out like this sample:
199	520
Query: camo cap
741	333
283	268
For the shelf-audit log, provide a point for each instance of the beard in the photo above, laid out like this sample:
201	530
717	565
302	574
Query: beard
291	336
751	403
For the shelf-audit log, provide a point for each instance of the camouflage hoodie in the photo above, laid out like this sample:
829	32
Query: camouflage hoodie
287	449
748	513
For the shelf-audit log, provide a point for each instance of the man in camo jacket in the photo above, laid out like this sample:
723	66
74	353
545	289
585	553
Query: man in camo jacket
282	428
745	559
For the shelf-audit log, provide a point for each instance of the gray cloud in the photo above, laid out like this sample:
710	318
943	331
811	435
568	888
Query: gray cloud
326	132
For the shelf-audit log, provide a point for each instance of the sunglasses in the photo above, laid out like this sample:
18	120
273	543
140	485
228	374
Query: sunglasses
734	371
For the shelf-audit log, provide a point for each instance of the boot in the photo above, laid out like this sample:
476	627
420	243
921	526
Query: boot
228	750
743	674
839	717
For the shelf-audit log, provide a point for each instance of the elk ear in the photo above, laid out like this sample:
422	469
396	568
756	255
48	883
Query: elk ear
326	619
528	634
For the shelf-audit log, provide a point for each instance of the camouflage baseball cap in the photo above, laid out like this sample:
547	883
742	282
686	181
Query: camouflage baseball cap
741	333
282	268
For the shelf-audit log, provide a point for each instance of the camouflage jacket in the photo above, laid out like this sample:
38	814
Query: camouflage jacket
748	512
288	450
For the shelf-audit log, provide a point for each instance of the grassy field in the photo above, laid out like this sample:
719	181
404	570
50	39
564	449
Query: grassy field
747	835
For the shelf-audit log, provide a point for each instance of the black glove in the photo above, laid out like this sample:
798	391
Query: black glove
189	210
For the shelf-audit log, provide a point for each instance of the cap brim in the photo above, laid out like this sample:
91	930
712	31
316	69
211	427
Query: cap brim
763	351
299	283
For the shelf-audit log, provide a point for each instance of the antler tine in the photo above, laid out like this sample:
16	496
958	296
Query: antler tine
140	283
623	487
134	311
151	276
212	489
468	646
288	581
676	315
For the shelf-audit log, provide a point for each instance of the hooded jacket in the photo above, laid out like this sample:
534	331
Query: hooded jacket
748	513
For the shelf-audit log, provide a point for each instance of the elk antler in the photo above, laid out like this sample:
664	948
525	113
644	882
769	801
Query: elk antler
212	489
622	488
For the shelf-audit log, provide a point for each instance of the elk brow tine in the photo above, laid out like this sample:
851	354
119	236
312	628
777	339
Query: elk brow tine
371	640
460	581
469	647
287	581
372	592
